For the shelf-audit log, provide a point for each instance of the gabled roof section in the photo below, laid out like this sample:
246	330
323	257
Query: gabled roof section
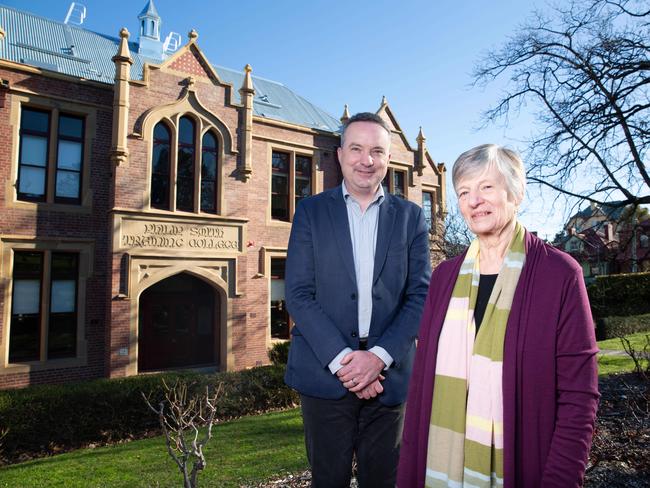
612	211
191	60
385	109
54	46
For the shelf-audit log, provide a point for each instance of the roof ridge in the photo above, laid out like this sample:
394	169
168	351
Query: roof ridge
232	70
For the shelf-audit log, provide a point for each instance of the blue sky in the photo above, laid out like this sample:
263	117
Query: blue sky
419	54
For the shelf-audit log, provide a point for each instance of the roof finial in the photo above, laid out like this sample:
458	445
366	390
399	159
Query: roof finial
346	114
123	53
383	100
247	84
193	35
421	137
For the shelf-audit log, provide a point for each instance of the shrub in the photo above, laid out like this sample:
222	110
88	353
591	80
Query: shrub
620	295
279	353
43	419
610	327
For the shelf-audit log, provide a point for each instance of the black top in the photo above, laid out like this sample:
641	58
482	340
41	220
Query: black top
485	285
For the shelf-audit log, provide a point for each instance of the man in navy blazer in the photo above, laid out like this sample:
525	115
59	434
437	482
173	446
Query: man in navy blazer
357	273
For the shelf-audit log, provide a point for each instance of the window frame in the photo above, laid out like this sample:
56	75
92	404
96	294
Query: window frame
215	153
88	113
81	140
390	179
85	250
193	151
264	270
164	176
289	320
201	128
21	133
292	179
430	219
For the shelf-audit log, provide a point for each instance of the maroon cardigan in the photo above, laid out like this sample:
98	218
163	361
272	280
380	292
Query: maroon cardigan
550	377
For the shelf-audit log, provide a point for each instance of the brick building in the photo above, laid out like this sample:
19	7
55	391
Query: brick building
146	201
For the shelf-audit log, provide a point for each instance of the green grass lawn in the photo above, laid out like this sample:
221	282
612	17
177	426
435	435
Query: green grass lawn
608	364
637	340
241	451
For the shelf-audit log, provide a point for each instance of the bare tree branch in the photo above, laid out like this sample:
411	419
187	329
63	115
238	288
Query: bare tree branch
586	68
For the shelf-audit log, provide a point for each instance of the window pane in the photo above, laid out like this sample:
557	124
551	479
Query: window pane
399	188
31	181
33	150
207	196
28	264
427	207
278	268
63	296
303	166
160	167
161	158
184	194
280	162
160	191
34	120
62	325
209	166
303	188
303	177
280	197
69	155
70	126
280	184
186	131
24	337
185	168
161	133
26	296
209	141
62	335
279	315
67	184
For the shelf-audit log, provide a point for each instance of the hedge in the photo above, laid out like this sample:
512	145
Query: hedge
620	295
611	327
45	419
279	353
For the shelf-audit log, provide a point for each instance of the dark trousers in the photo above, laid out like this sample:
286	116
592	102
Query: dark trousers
337	429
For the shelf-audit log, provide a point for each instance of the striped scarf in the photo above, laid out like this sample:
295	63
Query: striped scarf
465	447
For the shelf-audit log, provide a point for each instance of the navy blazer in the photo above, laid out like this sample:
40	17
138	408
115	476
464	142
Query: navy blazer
321	292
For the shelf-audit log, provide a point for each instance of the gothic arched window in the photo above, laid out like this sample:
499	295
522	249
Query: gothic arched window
209	180
185	166
160	166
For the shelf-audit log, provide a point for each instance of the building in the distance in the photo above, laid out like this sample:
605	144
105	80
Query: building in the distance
607	239
147	198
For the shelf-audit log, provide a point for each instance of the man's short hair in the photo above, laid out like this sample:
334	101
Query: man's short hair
364	117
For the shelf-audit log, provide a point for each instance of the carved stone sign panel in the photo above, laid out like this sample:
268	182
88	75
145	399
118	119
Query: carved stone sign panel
142	233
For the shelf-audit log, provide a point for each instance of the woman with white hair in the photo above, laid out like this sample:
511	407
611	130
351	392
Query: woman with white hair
504	389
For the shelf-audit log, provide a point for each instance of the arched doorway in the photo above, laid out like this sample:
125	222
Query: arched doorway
178	324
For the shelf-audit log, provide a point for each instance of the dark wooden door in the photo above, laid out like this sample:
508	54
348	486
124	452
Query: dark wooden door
178	324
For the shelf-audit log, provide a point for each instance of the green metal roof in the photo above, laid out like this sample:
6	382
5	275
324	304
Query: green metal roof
72	50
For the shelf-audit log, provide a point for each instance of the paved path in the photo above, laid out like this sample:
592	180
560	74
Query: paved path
612	352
